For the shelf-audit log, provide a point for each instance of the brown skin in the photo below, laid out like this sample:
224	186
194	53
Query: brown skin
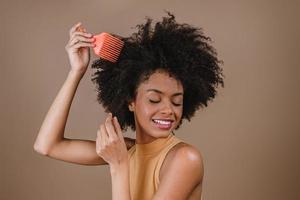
183	157
167	94
182	171
51	140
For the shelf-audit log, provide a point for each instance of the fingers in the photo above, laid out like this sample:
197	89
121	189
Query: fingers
81	29
112	134
98	140
74	28
117	127
87	35
77	29
108	132
82	44
103	135
80	38
101	141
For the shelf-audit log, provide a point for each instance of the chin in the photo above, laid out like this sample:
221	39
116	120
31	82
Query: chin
160	132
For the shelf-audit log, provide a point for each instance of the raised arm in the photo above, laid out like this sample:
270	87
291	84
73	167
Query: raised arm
50	140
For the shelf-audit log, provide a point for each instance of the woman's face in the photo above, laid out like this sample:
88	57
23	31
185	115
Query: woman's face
157	107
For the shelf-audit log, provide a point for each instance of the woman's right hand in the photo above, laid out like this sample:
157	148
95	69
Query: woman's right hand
78	48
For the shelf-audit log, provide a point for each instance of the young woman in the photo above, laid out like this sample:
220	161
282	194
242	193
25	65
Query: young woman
163	75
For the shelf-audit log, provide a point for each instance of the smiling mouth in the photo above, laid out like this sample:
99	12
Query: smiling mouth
163	124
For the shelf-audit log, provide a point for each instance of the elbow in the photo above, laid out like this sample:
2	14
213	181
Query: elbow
37	148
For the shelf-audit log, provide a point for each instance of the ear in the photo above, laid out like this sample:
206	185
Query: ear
131	106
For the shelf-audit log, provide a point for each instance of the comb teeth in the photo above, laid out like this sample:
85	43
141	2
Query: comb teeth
108	47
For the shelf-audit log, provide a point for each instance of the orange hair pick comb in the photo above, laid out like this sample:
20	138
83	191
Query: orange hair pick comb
108	47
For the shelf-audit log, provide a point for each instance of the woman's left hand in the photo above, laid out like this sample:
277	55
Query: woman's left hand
110	144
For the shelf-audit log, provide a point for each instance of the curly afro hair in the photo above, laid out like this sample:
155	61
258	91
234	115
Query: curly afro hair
181	50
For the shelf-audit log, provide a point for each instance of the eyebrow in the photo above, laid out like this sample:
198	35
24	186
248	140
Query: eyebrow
160	92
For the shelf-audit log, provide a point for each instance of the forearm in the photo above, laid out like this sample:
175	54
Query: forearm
120	182
52	129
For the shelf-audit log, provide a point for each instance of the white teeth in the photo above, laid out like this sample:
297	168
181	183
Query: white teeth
162	122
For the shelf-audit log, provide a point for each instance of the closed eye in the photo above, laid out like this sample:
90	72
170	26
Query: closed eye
153	101
175	104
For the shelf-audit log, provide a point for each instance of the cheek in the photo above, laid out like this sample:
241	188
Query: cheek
178	112
145	110
149	110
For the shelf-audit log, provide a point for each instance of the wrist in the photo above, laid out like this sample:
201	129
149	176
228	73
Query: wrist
76	74
119	168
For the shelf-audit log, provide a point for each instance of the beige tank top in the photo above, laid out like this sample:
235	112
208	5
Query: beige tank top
145	161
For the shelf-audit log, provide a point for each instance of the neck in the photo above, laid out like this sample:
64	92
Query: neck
142	137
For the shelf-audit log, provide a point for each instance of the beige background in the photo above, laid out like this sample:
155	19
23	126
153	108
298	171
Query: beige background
248	135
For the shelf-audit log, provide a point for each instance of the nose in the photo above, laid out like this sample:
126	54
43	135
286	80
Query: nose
167	108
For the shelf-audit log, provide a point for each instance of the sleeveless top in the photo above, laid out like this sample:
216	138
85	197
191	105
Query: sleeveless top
145	161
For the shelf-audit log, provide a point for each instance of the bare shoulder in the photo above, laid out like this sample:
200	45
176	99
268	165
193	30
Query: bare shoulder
189	151
181	173
183	152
